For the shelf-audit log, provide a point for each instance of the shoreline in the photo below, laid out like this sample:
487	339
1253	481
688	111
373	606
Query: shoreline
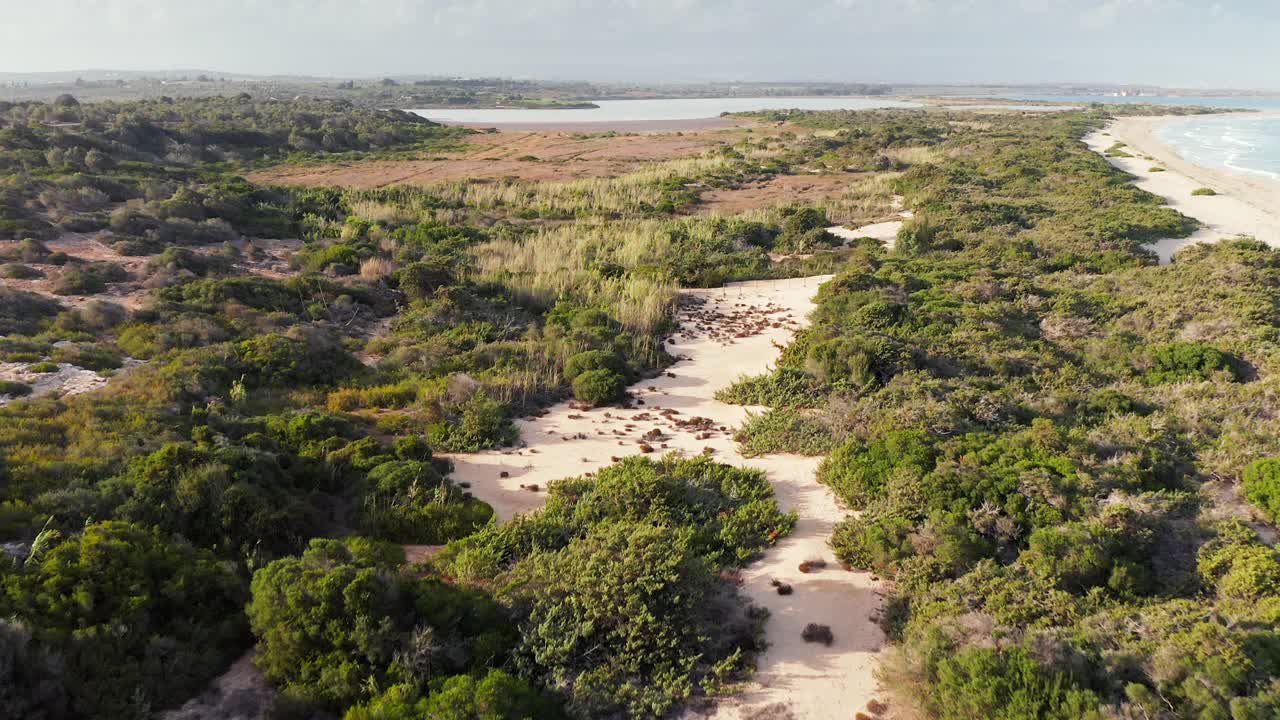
621	126
1245	205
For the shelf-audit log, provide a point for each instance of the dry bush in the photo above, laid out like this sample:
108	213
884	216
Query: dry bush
813	632
376	268
809	566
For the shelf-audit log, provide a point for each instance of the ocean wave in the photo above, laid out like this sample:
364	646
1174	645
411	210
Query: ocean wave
1243	145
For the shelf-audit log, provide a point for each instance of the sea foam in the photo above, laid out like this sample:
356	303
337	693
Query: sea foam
1239	143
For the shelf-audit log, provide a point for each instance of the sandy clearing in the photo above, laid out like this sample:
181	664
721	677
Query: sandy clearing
737	331
67	380
885	232
1244	205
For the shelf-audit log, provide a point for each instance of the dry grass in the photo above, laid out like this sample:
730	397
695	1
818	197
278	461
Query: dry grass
920	155
624	195
376	268
866	201
563	261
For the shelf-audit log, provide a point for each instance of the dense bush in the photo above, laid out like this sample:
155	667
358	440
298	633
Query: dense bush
599	387
1261	480
615	581
122	618
342	620
1187	361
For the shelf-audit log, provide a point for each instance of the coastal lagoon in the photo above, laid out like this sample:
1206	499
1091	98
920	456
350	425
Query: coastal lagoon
659	109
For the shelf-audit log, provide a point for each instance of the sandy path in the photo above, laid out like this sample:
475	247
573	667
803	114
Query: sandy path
736	332
1244	205
885	232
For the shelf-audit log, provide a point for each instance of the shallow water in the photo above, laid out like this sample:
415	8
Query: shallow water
1239	103
1247	144
655	110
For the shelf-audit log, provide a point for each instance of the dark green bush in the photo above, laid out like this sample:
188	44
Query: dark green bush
1189	362
14	389
342	620
1009	684
1261	481
134	619
593	360
599	387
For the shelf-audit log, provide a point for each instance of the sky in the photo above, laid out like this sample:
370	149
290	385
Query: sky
1174	43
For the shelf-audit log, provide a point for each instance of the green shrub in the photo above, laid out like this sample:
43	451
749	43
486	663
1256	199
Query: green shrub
24	313
18	271
599	387
784	387
1008	684
478	423
419	280
89	357
89	279
785	431
408	501
1117	150
493	696
333	626
1204	192
593	360
858	472
1261	480
1189	362
14	389
102	600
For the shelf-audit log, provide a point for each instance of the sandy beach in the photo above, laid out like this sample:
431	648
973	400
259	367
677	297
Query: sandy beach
737	331
1244	205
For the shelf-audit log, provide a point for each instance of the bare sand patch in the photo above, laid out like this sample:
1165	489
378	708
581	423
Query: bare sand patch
1243	206
67	380
736	330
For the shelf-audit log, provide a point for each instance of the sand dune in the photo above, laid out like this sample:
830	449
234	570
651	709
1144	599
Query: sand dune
737	331
1244	206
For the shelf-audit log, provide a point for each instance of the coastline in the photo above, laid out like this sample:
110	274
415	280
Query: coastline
1245	205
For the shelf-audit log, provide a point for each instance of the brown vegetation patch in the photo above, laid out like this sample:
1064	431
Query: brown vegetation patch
525	155
777	190
257	256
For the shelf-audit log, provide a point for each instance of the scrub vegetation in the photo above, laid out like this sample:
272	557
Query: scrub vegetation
1046	437
1041	428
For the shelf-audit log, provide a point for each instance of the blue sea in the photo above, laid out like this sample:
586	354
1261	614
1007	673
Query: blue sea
1235	103
1247	144
1244	143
